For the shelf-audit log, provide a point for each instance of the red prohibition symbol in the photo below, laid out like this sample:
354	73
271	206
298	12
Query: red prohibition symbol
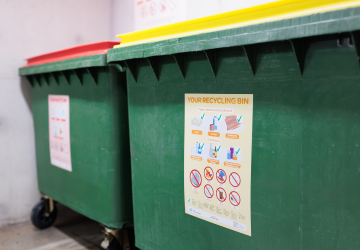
221	176
221	194
234	198
209	191
234	179
195	178
208	173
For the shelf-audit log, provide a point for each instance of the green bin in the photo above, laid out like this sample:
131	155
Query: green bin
83	162
304	75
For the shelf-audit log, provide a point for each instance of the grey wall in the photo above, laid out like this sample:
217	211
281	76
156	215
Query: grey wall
122	17
201	8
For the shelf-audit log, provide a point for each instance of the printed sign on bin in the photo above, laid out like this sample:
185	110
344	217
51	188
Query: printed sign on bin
59	131
217	147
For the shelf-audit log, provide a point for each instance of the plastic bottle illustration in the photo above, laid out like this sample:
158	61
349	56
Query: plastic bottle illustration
199	149
196	148
228	155
212	151
215	152
231	152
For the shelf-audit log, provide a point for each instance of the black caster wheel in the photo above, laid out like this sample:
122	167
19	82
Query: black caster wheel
39	218
114	245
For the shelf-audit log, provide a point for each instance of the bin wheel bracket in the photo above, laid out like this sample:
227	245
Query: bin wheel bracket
114	238
49	208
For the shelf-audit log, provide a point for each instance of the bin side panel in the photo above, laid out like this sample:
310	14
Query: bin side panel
98	184
331	156
156	118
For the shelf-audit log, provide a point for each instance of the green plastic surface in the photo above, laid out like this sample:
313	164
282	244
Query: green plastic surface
99	185
306	136
75	63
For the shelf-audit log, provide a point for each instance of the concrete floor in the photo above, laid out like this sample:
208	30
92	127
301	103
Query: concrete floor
71	231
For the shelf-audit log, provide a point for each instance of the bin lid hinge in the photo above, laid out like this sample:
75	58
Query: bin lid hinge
66	76
355	36
37	79
211	57
180	61
154	64
77	73
299	50
31	80
250	53
46	77
132	67
93	74
53	74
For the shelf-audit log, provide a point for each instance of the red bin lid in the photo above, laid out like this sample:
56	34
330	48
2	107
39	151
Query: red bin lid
78	51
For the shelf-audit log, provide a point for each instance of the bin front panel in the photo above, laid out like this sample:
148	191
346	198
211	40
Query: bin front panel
100	181
305	149
156	120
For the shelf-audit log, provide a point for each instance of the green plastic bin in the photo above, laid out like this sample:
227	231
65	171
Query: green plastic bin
304	75
98	183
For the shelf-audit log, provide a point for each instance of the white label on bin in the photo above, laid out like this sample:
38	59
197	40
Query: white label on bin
217	159
59	131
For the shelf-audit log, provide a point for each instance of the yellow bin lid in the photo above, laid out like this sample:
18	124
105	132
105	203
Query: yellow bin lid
278	10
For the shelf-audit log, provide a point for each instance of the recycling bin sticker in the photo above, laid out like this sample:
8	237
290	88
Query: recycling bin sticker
218	136
59	131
